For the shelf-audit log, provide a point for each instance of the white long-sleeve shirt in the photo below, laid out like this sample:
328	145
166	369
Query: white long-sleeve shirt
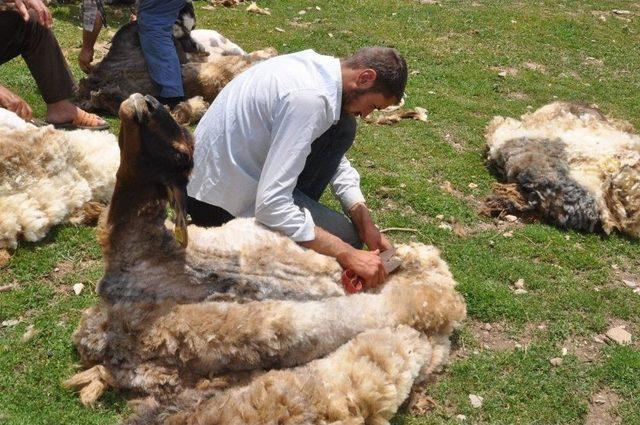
252	144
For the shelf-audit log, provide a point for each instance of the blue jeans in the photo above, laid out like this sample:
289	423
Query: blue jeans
320	167
155	25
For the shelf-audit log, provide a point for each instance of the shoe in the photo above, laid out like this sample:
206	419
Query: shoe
83	120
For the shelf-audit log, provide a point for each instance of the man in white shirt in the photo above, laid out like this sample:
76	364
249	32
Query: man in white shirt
275	138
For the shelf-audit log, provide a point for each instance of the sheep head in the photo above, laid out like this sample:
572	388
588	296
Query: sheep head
156	152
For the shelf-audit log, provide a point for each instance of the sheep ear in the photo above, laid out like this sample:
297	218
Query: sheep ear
178	200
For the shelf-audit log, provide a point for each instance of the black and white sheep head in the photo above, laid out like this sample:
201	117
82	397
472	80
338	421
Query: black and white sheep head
186	21
155	150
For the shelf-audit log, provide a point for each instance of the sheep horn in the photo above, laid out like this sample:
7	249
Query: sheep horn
178	200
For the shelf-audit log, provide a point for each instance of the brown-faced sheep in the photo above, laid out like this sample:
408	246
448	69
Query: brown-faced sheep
48	175
570	164
206	69
196	326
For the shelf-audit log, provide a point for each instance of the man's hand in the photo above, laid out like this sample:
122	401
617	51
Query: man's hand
374	239
367	230
14	103
42	12
366	264
85	57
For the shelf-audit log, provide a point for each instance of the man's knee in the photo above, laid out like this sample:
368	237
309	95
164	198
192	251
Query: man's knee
19	32
32	26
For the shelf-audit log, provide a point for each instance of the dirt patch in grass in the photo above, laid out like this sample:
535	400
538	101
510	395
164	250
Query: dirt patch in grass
455	142
584	348
602	406
517	95
58	276
101	49
529	332
62	269
628	280
447	187
488	336
421	403
505	70
502	227
493	336
533	66
591	61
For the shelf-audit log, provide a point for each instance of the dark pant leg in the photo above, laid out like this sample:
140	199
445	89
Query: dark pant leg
321	165
332	221
326	153
40	50
207	215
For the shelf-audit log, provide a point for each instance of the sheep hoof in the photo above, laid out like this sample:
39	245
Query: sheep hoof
92	383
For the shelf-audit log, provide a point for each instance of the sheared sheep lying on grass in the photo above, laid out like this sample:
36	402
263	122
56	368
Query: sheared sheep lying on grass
198	326
570	164
47	176
206	69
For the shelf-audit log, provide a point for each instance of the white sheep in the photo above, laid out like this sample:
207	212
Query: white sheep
197	320
47	176
570	164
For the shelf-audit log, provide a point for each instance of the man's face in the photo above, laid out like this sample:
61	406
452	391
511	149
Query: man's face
362	102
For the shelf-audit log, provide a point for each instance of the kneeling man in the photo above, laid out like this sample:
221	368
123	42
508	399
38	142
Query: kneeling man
276	137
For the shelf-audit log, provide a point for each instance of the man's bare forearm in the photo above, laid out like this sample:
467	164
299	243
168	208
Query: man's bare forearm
368	231
361	216
89	37
327	244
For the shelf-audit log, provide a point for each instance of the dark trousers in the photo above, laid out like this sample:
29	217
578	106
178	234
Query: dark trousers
320	167
40	50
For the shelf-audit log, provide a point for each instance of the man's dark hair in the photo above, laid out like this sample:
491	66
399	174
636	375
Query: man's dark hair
390	67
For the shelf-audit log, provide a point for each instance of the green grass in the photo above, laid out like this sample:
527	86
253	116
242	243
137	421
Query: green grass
457	49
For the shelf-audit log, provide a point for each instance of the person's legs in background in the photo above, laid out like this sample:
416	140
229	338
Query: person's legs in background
155	23
42	54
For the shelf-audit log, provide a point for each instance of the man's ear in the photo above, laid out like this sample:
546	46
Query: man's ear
366	79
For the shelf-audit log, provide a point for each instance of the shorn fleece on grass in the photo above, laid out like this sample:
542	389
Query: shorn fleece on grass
49	176
570	164
238	324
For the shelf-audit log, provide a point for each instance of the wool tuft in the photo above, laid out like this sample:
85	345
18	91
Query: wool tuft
48	175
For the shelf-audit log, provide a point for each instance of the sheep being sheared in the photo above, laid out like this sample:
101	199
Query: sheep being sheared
570	164
49	176
206	68
195	326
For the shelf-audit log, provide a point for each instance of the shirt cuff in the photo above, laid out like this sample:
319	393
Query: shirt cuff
350	197
306	232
